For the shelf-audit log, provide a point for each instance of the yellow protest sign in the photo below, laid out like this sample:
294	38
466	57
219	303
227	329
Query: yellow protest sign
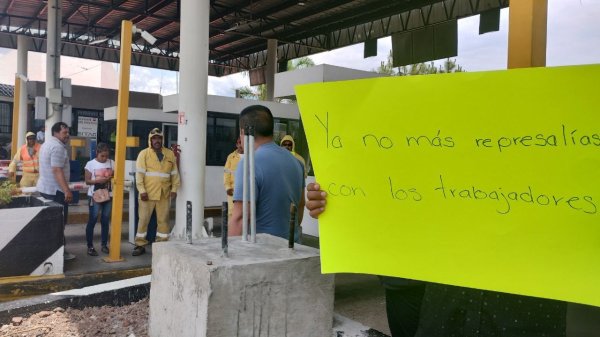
485	180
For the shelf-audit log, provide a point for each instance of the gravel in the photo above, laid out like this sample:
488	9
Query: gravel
126	321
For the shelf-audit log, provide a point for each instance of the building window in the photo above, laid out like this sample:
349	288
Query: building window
5	118
221	135
285	127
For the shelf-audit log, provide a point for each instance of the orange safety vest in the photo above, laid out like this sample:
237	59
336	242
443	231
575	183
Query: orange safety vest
30	164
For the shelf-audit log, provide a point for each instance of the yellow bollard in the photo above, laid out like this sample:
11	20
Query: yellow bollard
527	22
119	178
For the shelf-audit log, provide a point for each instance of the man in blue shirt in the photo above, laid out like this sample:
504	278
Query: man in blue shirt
278	174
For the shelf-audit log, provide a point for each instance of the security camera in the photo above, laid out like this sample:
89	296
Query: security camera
145	35
148	37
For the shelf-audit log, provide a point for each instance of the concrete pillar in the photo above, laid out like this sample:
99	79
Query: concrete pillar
22	49
193	72
260	290
53	63
527	28
271	68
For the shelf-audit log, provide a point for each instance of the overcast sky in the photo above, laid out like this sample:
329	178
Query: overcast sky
573	38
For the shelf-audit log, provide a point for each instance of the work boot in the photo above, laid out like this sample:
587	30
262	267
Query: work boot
68	256
104	249
138	250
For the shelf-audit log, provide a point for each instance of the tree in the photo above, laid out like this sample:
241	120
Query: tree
449	66
259	92
300	63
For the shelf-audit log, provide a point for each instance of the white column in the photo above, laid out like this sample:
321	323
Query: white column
53	62
193	70
22	49
271	68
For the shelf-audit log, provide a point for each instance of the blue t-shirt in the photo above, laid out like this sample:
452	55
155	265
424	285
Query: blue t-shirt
279	180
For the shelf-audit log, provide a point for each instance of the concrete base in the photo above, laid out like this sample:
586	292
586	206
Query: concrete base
32	239
261	289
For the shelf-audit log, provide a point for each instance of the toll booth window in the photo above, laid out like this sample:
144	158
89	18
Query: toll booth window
5	118
222	132
285	127
279	131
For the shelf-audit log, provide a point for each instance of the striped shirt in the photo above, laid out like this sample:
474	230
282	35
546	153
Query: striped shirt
53	153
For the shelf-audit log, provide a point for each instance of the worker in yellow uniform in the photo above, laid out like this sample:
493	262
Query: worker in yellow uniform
288	143
229	175
157	180
28	157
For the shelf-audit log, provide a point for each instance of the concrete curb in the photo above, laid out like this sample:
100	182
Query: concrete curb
116	293
127	291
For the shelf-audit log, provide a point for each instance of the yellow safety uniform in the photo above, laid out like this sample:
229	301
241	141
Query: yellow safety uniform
229	177
299	157
30	165
157	178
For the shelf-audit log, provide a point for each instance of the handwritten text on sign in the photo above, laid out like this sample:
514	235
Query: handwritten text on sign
485	180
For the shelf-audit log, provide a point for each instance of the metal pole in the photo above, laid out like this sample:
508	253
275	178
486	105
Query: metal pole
188	227
122	116
252	185
53	42
22	48
245	186
224	229
293	211
191	135
15	124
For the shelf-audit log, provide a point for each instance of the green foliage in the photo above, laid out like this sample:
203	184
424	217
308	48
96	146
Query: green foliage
449	66
7	190
300	63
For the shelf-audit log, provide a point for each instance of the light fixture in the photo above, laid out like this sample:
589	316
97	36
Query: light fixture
99	41
232	28
301	3
145	35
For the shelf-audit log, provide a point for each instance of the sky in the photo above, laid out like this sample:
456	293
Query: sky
573	37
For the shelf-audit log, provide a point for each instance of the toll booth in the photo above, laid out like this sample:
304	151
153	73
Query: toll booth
222	132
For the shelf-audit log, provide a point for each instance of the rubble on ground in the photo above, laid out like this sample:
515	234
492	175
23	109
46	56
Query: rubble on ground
126	321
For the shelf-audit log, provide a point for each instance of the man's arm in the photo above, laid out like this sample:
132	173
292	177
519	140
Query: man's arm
175	179
62	182
228	177
12	167
235	222
140	173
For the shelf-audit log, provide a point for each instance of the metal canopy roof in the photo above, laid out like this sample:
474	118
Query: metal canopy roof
239	29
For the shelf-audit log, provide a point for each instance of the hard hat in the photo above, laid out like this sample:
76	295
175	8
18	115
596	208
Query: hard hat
156	132
29	134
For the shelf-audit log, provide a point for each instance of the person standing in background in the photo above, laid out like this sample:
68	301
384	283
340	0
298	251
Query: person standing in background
229	175
41	135
289	143
98	173
28	156
55	170
157	180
